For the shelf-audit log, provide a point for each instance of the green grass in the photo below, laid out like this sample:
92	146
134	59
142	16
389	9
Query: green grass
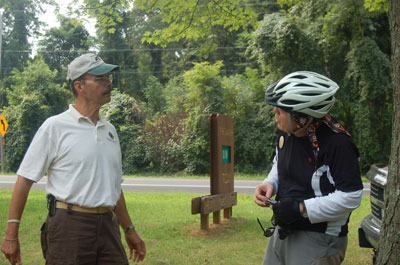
172	233
7	173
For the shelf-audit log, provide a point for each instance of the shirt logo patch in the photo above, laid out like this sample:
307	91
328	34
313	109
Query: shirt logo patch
111	137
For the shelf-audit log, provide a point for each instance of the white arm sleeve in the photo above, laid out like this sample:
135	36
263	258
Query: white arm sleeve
273	174
333	206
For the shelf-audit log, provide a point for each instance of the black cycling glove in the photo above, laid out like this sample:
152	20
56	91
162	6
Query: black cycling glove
286	211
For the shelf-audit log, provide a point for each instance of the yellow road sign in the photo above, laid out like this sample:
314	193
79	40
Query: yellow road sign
3	125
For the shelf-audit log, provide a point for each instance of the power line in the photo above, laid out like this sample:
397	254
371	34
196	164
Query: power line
128	68
132	50
264	3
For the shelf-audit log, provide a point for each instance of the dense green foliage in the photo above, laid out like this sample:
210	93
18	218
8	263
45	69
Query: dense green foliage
20	22
61	45
370	89
182	61
128	118
33	97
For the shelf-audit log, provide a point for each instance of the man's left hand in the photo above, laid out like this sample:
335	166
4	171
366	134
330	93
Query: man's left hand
137	244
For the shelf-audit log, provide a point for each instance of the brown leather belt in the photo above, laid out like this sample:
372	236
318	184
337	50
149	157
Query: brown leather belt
77	208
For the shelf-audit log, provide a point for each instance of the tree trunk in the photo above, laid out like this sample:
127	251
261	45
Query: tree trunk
389	239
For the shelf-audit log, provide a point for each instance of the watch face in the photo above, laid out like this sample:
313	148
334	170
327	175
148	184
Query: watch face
130	227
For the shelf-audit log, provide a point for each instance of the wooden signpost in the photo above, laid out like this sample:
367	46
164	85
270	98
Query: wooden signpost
221	173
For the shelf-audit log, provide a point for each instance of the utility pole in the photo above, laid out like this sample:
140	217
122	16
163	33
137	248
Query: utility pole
1	137
2	142
1	36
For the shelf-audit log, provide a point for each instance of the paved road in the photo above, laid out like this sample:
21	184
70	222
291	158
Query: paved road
155	185
201	186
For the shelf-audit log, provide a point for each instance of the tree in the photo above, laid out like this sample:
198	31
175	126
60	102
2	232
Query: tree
389	243
281	46
115	46
190	19
367	91
127	117
204	96
163	142
37	79
63	44
33	96
255	127
20	22
344	42
120	27
154	95
188	31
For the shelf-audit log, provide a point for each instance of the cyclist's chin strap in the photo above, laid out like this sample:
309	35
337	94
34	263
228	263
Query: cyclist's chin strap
289	120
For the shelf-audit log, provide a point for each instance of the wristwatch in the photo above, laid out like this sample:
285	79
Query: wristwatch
304	212
129	227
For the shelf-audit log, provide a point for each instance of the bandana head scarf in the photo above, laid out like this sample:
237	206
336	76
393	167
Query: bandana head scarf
311	129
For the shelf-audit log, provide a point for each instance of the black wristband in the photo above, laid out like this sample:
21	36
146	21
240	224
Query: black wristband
129	227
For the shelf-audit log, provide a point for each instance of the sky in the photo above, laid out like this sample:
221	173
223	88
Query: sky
50	18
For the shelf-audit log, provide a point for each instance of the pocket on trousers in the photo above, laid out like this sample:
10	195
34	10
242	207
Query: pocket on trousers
43	239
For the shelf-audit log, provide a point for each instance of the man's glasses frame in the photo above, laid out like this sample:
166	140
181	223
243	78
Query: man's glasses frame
100	79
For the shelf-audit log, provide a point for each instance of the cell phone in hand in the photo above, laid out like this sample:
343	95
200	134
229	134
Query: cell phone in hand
271	201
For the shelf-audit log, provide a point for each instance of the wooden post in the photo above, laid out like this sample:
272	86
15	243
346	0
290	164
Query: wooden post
222	158
221	173
217	217
228	213
204	222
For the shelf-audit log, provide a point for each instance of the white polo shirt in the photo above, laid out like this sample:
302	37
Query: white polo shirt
82	160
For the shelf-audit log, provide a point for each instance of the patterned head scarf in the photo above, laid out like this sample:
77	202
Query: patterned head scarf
311	129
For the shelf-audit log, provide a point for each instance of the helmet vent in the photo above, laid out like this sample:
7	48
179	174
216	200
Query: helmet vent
290	102
300	76
322	84
303	85
317	107
311	94
282	86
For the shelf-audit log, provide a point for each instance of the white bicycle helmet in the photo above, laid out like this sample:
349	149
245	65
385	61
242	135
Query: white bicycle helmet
303	92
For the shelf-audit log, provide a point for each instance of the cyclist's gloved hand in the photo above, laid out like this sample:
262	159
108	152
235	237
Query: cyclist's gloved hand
286	211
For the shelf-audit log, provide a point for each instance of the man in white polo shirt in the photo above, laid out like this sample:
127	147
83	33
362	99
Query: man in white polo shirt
81	155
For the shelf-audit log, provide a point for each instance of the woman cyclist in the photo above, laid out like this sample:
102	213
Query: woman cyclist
315	174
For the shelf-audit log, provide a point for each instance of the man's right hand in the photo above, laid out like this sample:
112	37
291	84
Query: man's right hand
262	193
135	244
11	250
